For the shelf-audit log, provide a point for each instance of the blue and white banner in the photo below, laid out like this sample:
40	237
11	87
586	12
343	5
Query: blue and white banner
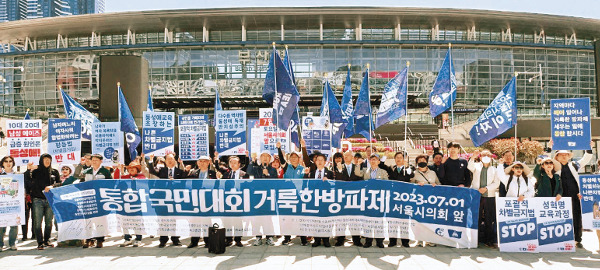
64	140
571	124
443	94
193	141
499	117
316	132
74	110
336	118
265	136
230	128
589	185
347	106
107	140
363	124
393	101
193	119
12	200
535	225
373	208
159	133
128	126
150	105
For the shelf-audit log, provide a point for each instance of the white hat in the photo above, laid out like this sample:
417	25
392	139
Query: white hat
557	165
526	170
204	158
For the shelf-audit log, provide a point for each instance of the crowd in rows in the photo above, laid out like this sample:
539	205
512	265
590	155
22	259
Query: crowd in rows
554	175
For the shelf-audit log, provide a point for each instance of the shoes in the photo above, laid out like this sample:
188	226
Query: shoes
239	244
24	238
47	244
192	245
85	245
357	244
579	245
367	245
326	243
380	245
304	243
339	243
136	243
229	243
100	244
258	242
270	241
176	244
393	243
13	247
162	245
286	242
405	245
40	247
126	243
151	236
316	243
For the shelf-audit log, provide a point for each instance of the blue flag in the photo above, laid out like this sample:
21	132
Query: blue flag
27	117
285	101
294	136
150	106
443	94
499	117
362	112
74	110
348	107
324	111
218	106
393	100
128	126
335	117
269	87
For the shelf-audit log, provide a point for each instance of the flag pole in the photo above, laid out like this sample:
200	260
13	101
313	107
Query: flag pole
406	107
297	106
517	123
451	101
275	80
370	112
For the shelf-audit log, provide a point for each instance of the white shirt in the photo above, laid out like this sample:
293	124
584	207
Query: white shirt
518	186
320	173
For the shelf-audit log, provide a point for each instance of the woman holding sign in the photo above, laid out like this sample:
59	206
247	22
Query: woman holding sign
8	164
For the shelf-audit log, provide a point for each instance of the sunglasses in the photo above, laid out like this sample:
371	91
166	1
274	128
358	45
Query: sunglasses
518	168
548	162
7	161
66	169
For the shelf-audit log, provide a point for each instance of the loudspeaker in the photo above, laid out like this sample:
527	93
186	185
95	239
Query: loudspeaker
132	72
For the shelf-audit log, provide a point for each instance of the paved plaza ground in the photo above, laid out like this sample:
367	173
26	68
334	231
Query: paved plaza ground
292	257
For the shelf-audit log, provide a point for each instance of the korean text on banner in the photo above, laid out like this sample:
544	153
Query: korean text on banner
589	185
64	140
193	141
107	140
372	208
316	132
570	123
230	130
24	140
158	133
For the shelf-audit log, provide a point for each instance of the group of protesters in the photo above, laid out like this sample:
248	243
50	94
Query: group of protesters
554	175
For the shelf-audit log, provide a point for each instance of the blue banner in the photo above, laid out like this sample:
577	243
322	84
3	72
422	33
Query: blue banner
64	140
571	124
499	117
218	106
74	110
150	106
589	185
159	133
443	94
107	140
294	136
393	102
372	208
362	113
230	129
285	101
269	87
128	126
336	118
192	119
27	116
347	106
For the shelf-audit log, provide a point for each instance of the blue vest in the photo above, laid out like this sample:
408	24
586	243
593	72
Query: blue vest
291	173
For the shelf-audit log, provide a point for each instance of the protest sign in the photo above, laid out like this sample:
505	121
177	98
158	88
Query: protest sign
535	225
107	140
372	208
193	141
12	200
570	124
265	137
24	140
159	133
193	119
64	140
316	132
230	132
589	185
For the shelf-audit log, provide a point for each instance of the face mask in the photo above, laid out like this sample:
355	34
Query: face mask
486	160
422	164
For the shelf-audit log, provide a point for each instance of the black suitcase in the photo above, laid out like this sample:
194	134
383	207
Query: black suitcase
216	239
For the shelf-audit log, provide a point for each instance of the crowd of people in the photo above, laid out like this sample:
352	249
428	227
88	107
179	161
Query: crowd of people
554	175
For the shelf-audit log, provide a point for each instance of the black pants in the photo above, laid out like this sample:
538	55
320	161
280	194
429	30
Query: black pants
25	226
165	239
578	227
394	241
355	239
487	219
323	239
369	241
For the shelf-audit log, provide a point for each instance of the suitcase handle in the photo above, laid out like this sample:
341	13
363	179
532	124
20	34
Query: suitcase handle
216	226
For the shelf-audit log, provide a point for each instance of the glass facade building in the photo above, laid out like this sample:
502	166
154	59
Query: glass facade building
190	63
12	10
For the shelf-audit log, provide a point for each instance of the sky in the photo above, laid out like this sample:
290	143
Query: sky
577	8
